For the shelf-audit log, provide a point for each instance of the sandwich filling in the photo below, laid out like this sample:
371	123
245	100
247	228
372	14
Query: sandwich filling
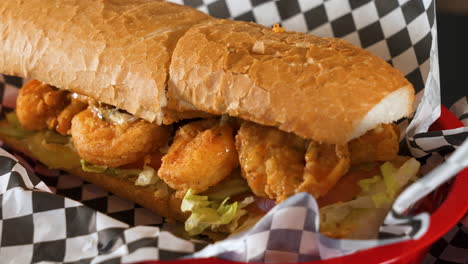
219	167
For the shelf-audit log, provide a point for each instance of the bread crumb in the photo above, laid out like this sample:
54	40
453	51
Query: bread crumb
258	47
277	29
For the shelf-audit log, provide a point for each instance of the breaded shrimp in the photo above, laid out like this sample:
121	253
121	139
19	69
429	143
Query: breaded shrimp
277	164
38	105
325	165
105	143
65	117
202	154
272	161
378	144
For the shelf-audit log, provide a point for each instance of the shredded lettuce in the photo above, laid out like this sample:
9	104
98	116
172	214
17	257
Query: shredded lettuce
377	192
192	202
409	171
381	199
147	177
383	188
211	214
388	172
366	184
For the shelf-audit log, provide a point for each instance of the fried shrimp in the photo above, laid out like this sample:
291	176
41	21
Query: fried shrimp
106	143
271	161
379	144
65	117
277	164
325	165
38	105
203	153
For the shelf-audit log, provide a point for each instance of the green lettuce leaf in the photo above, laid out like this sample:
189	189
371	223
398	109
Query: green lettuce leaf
377	192
206	213
388	172
192	202
382	189
147	177
366	184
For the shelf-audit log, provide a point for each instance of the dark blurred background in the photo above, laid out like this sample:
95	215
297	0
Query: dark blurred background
452	19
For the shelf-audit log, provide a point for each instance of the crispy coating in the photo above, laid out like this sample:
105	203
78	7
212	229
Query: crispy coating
38	105
105	143
278	164
379	144
203	153
272	161
65	117
325	165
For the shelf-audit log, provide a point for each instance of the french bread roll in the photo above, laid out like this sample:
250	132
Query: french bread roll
319	88
117	52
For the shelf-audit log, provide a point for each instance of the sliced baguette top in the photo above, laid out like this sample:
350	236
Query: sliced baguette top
319	88
127	53
115	51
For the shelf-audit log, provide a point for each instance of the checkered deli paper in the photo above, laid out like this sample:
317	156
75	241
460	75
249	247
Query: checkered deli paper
86	224
453	246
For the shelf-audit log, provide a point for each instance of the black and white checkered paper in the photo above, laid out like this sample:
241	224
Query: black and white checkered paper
460	109
37	225
86	224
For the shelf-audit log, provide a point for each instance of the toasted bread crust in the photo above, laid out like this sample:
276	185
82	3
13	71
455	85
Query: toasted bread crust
318	88
117	52
126	53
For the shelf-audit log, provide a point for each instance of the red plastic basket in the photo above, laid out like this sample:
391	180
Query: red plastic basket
443	219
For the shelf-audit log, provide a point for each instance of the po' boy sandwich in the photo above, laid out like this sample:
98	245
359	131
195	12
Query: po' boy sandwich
205	120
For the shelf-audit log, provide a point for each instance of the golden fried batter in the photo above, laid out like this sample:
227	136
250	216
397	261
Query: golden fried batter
379	144
65	117
102	142
325	165
202	154
38	105
272	161
277	164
